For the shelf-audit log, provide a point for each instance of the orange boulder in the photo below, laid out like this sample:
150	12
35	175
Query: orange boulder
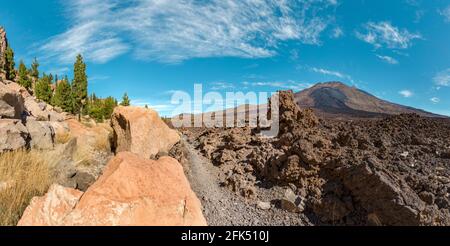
132	191
141	131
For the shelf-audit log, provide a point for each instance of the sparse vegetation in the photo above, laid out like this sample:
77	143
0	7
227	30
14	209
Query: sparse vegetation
79	85
23	175
99	108
9	64
63	95
83	156
125	100
34	71
70	97
43	88
102	142
62	137
24	80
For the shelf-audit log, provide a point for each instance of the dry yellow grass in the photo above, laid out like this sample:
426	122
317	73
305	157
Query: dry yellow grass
96	143
23	175
102	138
83	156
62	137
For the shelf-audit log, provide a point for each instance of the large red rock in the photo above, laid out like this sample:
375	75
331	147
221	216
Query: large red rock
132	191
52	208
141	131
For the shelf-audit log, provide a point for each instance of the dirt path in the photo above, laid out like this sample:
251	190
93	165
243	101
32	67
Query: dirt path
221	207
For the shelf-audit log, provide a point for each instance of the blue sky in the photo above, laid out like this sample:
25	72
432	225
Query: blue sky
395	49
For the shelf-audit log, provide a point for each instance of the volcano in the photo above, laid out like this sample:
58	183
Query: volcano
335	99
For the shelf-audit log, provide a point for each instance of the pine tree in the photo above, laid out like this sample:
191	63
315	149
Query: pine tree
34	71
125	100
9	65
24	80
63	95
109	105
100	109
43	89
79	85
50	78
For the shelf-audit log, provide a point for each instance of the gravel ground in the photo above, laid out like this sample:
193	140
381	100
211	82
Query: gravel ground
222	207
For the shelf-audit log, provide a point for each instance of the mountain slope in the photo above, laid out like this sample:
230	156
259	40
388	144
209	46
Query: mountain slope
337	99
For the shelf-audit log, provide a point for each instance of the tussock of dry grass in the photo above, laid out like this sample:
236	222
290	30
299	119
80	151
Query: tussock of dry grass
62	137
102	142
83	156
23	175
86	154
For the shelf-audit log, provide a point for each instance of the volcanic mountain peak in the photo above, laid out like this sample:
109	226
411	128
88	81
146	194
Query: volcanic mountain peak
337	99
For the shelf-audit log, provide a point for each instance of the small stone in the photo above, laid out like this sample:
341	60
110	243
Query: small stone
427	197
404	154
292	186
291	202
443	179
263	205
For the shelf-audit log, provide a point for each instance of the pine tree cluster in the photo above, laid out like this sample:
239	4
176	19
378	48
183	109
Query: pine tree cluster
71	97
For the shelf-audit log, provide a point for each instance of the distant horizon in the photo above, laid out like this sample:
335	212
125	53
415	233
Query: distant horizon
395	50
225	108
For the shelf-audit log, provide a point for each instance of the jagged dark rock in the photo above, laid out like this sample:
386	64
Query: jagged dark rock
347	172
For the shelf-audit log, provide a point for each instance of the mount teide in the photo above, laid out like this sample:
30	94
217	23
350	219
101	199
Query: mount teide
335	99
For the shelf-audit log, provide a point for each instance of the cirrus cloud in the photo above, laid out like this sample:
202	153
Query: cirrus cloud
442	78
445	13
171	31
388	59
384	34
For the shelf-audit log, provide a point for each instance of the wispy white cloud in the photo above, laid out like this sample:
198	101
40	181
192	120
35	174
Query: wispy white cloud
419	11
435	100
384	34
388	59
414	3
176	30
85	38
406	93
445	13
294	55
327	72
290	84
337	74
442	78
221	86
337	32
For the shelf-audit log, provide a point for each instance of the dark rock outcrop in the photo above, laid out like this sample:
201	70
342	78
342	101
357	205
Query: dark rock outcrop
390	171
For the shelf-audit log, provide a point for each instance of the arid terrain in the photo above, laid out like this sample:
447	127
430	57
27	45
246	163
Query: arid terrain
384	171
58	170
